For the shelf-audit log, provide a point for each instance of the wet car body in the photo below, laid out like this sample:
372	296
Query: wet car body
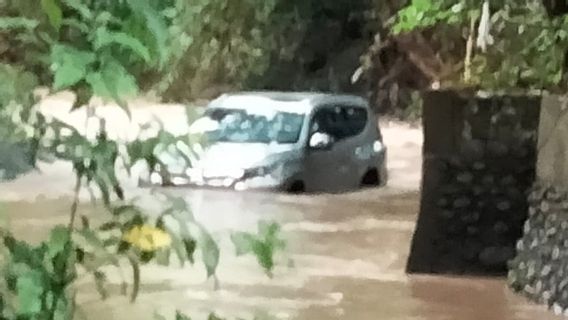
312	142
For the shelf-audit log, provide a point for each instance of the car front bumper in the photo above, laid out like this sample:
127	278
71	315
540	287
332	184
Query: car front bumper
266	183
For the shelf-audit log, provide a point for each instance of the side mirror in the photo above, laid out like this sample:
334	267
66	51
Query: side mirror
321	141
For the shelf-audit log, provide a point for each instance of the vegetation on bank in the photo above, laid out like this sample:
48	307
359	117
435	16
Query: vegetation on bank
210	46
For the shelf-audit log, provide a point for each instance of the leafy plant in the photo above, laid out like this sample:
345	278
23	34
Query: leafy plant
36	280
104	49
528	51
262	245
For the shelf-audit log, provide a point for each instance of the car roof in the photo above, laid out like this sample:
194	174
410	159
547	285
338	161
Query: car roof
292	101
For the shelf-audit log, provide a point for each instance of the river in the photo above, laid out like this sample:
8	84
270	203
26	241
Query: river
345	257
348	254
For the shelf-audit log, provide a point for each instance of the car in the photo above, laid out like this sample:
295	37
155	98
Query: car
289	141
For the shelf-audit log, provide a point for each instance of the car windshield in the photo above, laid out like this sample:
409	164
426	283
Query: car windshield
250	126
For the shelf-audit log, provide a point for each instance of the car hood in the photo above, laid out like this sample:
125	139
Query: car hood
240	155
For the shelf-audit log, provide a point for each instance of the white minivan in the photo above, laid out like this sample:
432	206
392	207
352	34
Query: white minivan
296	142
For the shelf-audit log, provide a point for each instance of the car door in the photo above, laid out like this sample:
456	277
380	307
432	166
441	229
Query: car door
326	169
358	145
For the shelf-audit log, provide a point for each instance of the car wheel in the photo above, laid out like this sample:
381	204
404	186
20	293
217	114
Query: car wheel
371	179
297	187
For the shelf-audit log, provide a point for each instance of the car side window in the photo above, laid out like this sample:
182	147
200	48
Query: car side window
340	122
356	120
324	121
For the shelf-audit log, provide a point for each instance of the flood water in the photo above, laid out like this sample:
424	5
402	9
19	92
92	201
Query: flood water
345	260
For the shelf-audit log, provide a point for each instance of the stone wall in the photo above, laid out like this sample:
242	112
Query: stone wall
479	162
540	270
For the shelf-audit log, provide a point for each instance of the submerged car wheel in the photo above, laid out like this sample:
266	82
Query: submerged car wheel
371	179
297	187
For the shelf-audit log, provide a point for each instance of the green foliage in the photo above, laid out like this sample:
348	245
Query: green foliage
538	44
69	65
105	38
106	48
53	12
530	47
20	125
427	13
217	42
210	253
233	44
262	245
16	99
34	276
100	47
36	280
17	23
181	316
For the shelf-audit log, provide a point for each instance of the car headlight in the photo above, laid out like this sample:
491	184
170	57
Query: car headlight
257	172
378	146
260	171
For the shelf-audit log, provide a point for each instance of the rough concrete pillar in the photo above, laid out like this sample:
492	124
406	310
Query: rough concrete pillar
478	162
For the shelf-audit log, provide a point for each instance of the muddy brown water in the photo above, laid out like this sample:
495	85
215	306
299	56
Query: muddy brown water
345	260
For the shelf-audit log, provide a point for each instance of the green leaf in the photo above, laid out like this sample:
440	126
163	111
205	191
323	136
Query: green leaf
20	86
147	256
78	6
214	317
210	253
77	24
103	188
190	245
123	247
120	210
83	97
100	283
158	316
179	249
112	241
262	246
70	65
181	316
58	240
101	256
113	81
154	22
30	290
422	5
8	23
104	38
243	242
264	253
108	226
268	230
53	12
21	252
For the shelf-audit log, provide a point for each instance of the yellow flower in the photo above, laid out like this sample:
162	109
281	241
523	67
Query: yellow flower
147	238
